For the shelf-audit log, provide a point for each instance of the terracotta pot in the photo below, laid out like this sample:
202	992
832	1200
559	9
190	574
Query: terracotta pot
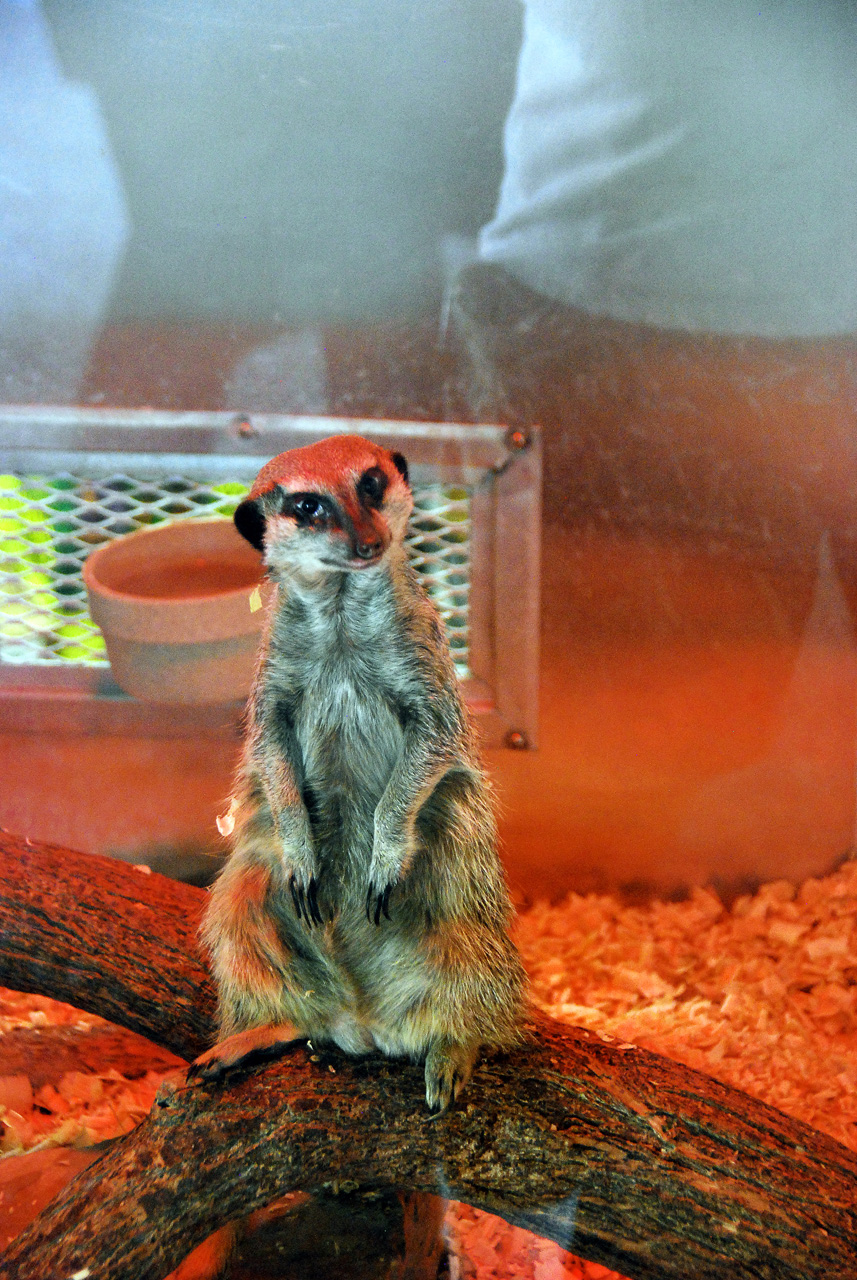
177	609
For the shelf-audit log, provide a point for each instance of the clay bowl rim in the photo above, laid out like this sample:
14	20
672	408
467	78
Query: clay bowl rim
95	584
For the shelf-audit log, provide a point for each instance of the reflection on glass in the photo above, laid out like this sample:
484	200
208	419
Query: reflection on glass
629	221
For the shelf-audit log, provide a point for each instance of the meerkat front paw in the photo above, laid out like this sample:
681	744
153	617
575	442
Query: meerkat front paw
298	864
244	1049
448	1068
390	860
378	898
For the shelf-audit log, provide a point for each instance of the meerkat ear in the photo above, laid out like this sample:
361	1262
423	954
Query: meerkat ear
250	523
400	462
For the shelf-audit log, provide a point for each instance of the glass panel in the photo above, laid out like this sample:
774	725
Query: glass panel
632	222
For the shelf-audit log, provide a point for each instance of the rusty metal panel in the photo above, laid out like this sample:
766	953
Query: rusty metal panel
517	558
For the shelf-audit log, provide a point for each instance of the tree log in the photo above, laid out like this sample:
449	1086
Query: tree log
625	1157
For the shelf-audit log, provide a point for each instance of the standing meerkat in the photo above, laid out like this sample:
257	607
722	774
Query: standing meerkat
363	902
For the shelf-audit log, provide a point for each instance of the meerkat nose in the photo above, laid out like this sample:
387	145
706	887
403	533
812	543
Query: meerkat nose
367	550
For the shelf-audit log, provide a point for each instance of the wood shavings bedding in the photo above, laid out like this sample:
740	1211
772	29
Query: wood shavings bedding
762	995
18	1010
81	1109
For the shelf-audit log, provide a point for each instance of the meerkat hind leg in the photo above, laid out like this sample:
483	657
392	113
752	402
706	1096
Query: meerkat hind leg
244	1049
448	1068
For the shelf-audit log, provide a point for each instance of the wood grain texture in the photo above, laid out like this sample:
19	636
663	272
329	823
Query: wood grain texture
624	1157
108	938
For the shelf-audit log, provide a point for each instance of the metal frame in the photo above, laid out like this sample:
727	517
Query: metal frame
503	469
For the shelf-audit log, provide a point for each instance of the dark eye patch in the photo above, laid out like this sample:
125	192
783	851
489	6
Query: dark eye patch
310	510
372	486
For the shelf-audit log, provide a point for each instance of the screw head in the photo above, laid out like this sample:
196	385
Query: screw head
517	439
517	740
244	428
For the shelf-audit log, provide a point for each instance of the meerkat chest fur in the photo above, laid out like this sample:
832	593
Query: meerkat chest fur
337	679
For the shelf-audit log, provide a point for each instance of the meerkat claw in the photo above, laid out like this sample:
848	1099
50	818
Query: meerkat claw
378	904
305	901
312	903
448	1068
296	890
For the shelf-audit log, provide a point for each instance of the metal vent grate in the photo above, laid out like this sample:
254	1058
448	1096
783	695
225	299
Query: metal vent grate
71	478
50	523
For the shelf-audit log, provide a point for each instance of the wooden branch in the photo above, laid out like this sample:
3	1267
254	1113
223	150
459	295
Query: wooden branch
108	938
622	1156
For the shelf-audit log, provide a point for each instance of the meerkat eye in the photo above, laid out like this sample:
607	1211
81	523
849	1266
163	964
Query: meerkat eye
372	486
307	508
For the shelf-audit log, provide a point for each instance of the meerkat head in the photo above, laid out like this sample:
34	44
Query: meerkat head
334	506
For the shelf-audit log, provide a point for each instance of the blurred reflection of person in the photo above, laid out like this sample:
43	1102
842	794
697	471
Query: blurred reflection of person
669	286
686	164
672	262
63	223
680	166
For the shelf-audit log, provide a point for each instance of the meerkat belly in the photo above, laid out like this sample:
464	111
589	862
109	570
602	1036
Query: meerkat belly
387	979
350	741
394	981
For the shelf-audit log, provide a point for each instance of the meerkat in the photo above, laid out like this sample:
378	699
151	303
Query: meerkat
363	903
